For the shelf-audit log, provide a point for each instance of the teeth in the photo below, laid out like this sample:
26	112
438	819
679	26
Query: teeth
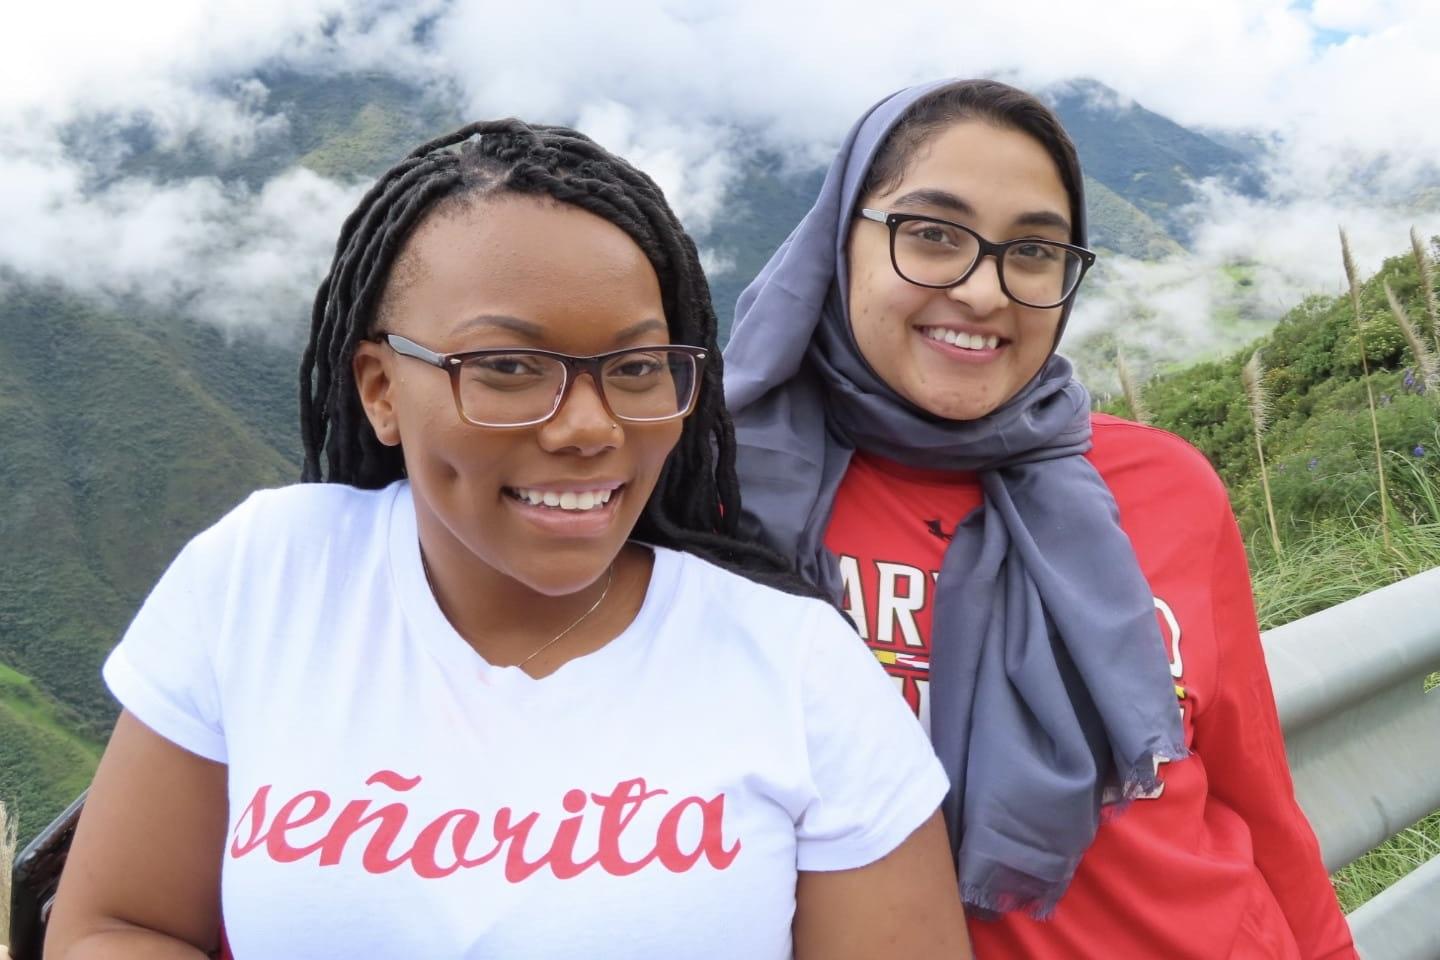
569	500
965	341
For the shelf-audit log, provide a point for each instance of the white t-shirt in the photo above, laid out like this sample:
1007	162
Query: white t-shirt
394	795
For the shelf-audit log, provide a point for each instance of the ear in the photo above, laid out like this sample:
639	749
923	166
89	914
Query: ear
375	382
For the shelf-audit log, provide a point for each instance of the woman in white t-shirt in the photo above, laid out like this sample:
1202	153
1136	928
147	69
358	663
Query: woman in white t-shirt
501	680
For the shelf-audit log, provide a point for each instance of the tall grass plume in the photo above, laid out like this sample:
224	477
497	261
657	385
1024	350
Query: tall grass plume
9	835
1252	375
1427	285
1352	276
1131	391
1426	365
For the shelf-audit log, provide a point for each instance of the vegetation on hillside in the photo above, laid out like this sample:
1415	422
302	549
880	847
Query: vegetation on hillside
109	468
1149	159
1115	225
125	435
1320	467
44	763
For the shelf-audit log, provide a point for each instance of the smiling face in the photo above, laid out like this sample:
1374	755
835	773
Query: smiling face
1003	184
519	272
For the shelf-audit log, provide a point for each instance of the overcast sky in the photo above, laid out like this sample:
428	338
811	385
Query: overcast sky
1340	85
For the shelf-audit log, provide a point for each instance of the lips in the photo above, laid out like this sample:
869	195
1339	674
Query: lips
578	510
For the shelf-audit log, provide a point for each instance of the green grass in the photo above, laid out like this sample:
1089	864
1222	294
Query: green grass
1340	560
44	762
1387	863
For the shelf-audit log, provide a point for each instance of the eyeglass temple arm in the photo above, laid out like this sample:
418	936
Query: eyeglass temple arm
879	216
409	348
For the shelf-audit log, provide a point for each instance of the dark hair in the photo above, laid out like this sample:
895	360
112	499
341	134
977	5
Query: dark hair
696	502
988	100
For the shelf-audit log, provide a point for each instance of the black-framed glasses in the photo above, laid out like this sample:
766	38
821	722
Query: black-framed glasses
930	252
508	387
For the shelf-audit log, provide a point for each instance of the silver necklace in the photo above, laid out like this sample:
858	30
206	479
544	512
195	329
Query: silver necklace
609	579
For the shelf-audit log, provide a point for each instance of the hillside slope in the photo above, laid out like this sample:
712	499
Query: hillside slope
1318	446
120	445
44	763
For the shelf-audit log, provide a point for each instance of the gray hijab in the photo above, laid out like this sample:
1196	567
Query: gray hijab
1051	697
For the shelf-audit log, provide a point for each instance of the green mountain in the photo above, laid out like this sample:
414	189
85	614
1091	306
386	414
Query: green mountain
344	125
126	434
131	428
1118	226
1146	158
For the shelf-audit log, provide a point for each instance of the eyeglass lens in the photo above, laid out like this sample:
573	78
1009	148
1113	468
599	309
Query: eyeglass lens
1036	272
516	388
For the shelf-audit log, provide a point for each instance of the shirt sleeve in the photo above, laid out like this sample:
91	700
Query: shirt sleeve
874	775
1244	749
163	669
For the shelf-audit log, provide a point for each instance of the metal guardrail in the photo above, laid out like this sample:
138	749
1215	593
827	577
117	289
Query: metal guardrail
1363	738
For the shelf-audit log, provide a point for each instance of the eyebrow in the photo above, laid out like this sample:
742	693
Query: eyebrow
535	332
524	328
644	326
948	201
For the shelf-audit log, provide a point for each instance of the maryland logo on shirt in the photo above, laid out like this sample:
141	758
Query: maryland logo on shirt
890	561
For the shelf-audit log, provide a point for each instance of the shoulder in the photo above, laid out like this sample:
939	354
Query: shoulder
316	504
735	609
1129	454
315	518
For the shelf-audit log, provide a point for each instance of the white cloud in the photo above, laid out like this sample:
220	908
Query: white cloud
247	261
682	87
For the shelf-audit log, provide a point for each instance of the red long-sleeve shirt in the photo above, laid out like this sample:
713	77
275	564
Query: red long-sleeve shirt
1221	863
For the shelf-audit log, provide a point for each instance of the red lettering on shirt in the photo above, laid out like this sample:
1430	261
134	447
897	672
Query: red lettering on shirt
552	846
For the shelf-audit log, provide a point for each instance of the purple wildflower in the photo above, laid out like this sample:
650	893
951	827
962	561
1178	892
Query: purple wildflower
1419	450
1314	462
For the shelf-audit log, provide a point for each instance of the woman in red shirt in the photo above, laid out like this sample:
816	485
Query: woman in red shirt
1062	597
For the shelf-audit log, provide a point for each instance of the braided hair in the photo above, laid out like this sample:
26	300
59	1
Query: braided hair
695	506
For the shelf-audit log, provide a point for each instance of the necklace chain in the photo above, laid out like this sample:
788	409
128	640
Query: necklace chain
609	579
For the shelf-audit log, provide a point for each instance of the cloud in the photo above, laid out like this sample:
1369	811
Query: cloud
245	260
684	88
1249	262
